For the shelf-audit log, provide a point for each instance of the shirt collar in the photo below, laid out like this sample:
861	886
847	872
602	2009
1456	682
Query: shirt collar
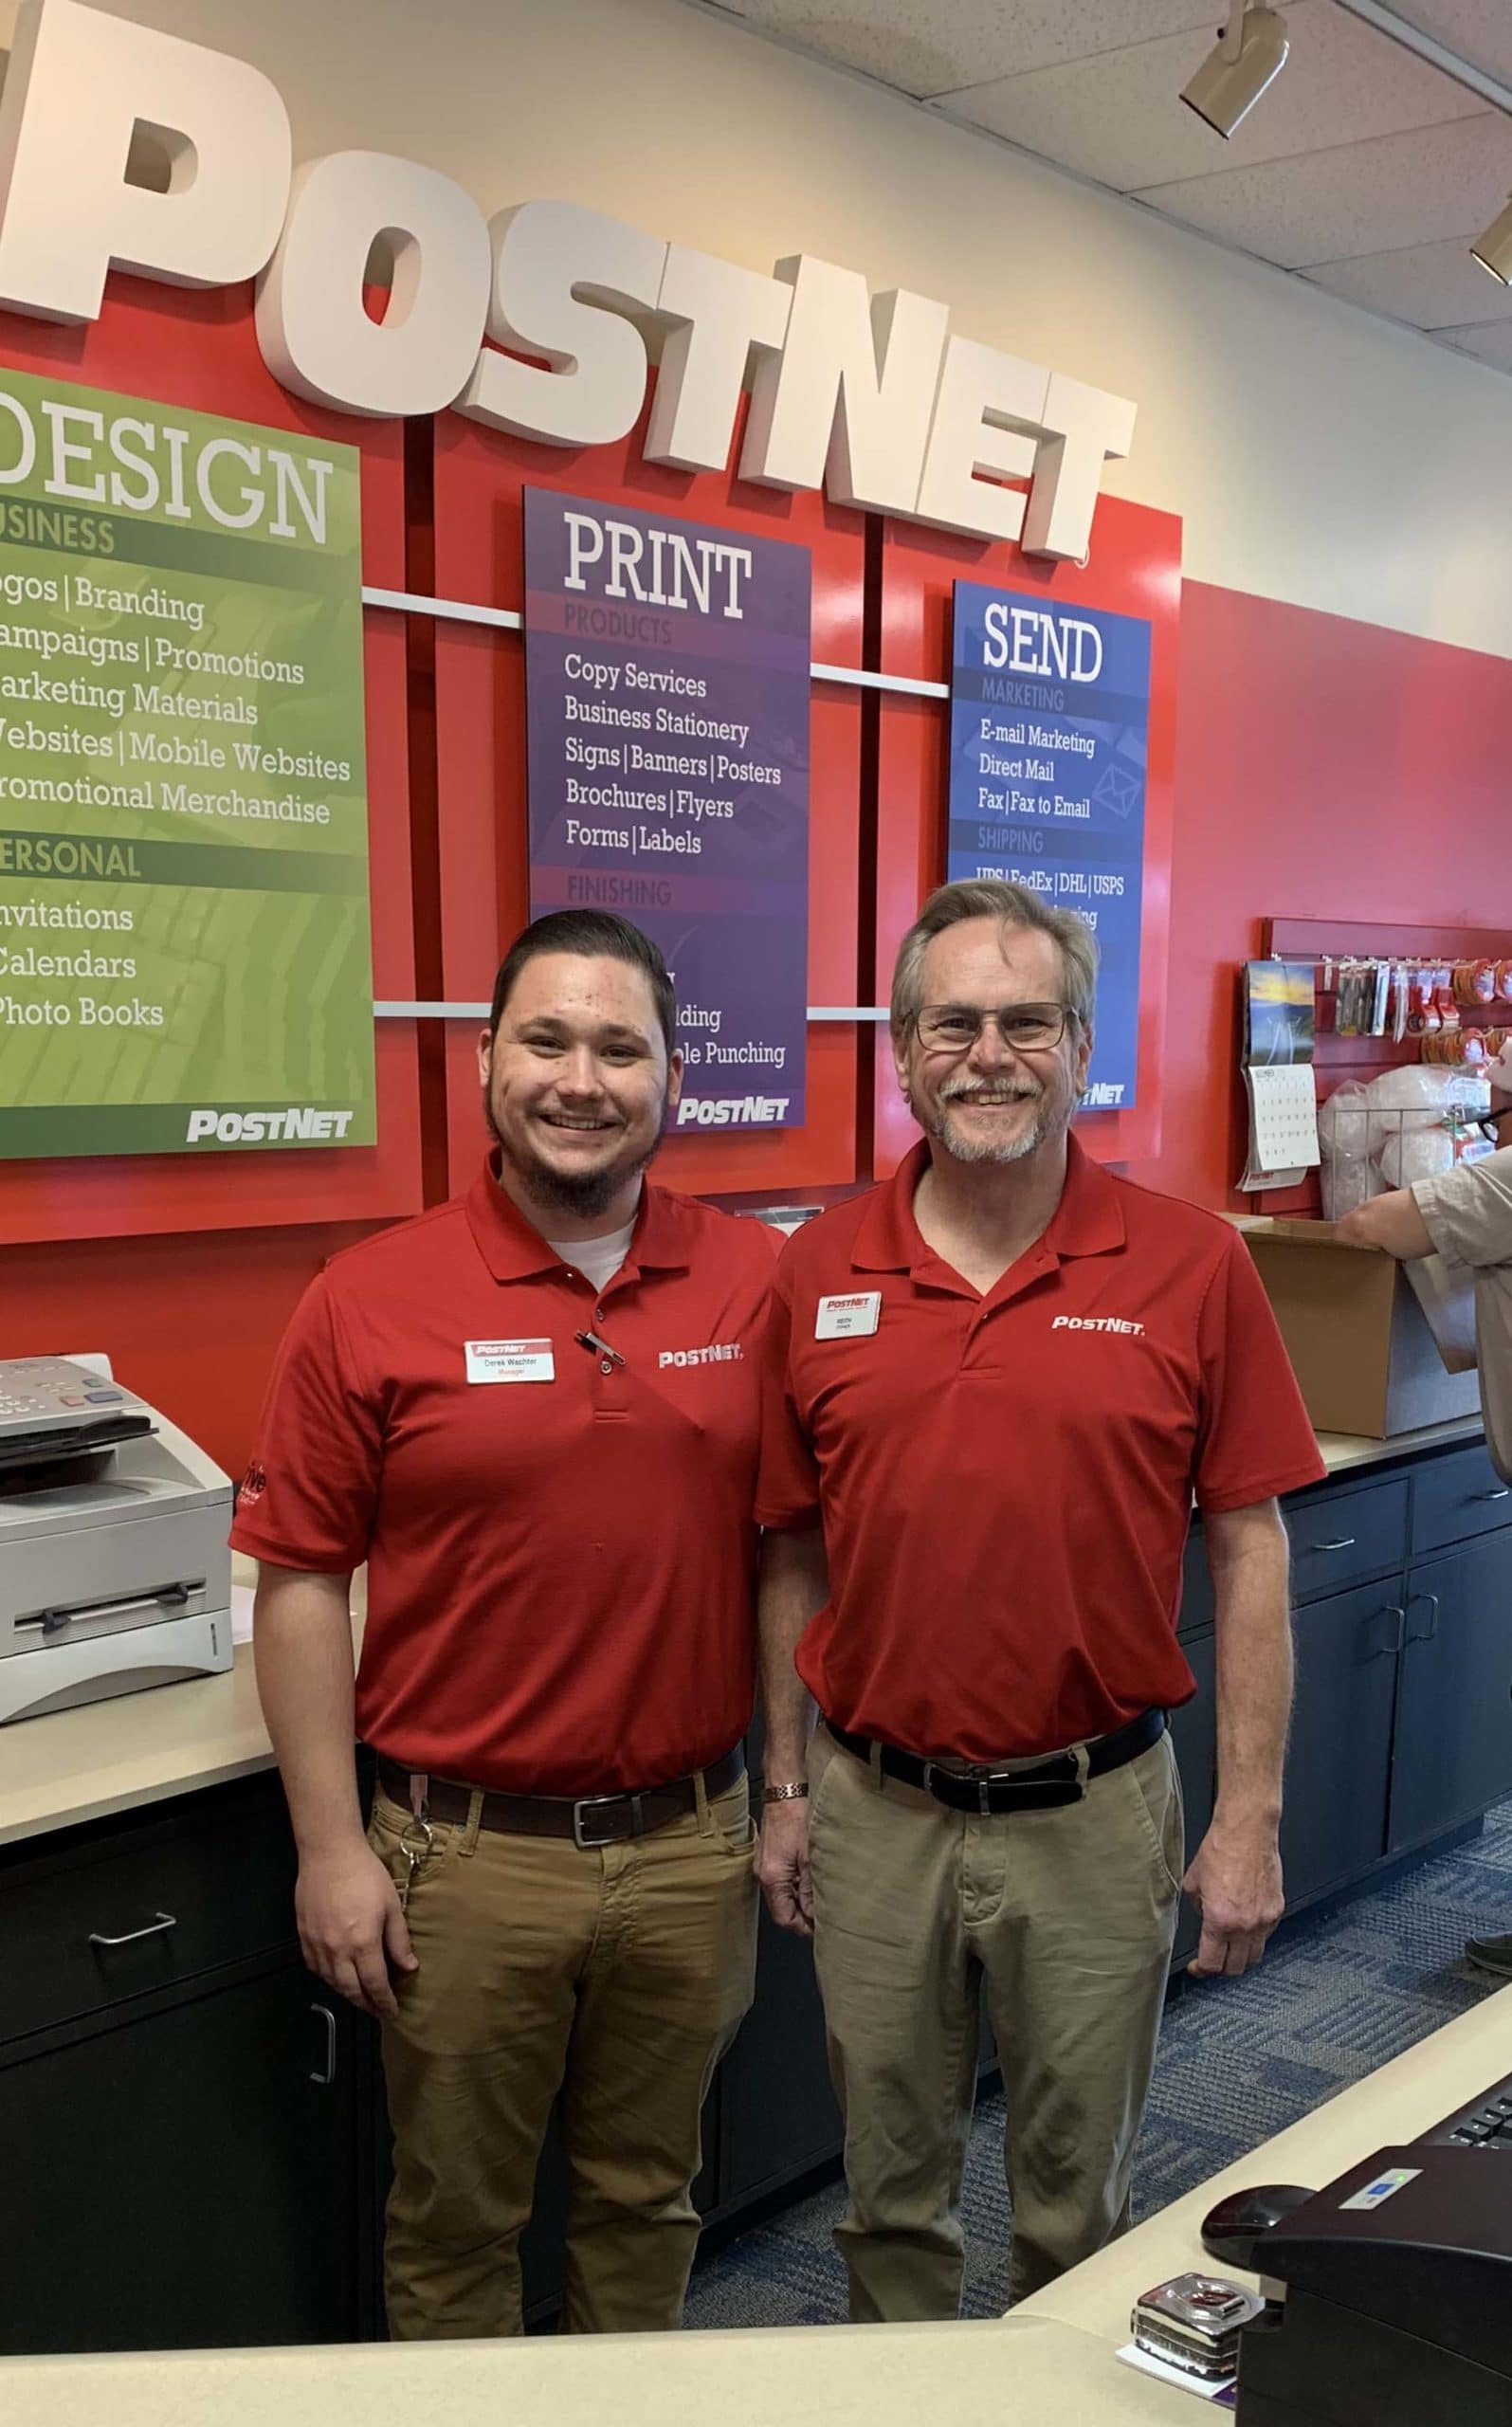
513	1248
1087	1221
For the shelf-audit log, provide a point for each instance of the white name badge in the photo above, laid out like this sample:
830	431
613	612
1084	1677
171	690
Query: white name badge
510	1360
848	1318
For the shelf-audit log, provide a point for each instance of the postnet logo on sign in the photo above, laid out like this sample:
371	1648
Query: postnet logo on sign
727	1112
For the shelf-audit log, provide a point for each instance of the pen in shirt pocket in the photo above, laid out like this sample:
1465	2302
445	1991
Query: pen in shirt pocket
596	1348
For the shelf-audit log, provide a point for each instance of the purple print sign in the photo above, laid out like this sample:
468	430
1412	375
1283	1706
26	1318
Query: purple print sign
666	697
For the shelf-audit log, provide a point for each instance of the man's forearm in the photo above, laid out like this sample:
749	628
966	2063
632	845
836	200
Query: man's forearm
302	1638
1394	1222
1249	1555
794	1587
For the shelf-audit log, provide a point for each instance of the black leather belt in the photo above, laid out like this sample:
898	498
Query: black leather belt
1041	1787
587	1819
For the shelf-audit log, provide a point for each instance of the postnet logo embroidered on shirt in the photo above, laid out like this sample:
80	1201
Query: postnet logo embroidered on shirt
724	1352
1097	1323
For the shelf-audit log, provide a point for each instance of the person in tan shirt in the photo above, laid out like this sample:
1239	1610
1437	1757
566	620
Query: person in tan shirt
1465	1216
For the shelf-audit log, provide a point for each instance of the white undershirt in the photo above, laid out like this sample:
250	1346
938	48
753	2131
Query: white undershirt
597	1260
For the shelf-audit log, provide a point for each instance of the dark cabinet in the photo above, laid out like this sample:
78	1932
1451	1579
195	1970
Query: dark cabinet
1334	1815
779	2116
1194	1740
1453	1745
184	2177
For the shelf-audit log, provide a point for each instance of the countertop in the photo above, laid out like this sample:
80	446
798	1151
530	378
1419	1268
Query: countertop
1054	2358
115	1756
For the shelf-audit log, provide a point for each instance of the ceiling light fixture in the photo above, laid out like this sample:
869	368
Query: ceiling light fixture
1493	249
1249	56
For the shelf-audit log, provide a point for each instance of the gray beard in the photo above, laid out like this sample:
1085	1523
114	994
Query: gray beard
981	1150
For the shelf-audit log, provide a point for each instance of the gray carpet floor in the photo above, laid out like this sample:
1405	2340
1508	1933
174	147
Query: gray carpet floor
1343	1989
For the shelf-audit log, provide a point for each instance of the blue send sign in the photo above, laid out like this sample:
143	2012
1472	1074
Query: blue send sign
1049	731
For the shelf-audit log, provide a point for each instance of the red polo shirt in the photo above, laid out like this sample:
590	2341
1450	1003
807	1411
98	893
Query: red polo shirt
560	1559
1006	1482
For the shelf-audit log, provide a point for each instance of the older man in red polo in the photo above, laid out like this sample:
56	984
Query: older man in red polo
994	1385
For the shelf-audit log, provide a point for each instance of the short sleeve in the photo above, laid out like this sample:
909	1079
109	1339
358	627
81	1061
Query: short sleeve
1255	1438
308	1495
1467	1211
788	1485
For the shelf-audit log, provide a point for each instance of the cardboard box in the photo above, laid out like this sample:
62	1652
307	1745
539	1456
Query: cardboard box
1357	1338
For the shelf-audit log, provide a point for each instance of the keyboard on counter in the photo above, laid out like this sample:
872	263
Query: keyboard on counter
1486	2124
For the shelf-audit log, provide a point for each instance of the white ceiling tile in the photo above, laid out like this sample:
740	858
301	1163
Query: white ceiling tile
925	47
1120	117
1375	197
1492	343
1480	31
1433	286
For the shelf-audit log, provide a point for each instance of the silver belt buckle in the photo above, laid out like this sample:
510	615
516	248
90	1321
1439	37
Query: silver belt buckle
590	1804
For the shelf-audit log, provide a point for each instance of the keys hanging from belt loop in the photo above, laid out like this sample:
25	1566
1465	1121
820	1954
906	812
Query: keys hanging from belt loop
418	1836
415	1846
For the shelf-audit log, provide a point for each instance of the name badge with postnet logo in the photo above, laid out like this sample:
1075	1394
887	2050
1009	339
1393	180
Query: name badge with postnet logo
510	1360
851	1318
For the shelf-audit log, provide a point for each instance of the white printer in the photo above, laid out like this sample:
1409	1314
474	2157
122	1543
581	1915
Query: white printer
115	1572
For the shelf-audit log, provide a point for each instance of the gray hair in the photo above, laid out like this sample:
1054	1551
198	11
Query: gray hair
1011	906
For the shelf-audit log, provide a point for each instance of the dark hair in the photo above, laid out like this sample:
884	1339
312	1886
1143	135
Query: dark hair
596	934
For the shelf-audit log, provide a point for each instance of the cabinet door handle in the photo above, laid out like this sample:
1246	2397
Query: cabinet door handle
1505	1493
1388	1650
1346	1542
323	2079
129	1937
1427	1633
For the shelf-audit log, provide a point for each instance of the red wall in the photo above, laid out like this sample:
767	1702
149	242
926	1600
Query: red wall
1324	769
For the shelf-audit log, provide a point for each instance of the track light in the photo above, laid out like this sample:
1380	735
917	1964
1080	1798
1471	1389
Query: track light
1250	55
1493	249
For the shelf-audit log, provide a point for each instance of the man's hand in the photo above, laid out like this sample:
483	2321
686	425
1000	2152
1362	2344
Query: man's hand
782	1865
352	1929
1235	1880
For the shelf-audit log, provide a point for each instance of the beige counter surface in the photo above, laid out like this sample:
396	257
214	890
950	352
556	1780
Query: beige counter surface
115	1756
1342	1451
869	2375
1054	2358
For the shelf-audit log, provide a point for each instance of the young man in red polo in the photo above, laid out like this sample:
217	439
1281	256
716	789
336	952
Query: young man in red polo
994	1385
532	1413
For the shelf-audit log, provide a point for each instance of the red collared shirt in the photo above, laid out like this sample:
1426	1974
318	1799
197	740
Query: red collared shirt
1006	1481
561	1562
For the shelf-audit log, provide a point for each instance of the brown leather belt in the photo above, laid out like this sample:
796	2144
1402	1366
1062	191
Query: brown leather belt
587	1819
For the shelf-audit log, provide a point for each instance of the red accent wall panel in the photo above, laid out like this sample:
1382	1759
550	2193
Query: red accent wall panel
200	350
479	475
191	1322
1324	770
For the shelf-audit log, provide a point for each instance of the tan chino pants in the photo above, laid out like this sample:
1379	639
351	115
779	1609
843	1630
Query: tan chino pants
1068	1917
616	1977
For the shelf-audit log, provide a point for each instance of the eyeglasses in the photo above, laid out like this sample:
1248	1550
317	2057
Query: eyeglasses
1028	1028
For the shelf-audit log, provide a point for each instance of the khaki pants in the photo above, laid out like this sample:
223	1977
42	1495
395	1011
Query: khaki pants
1067	1916
615	1976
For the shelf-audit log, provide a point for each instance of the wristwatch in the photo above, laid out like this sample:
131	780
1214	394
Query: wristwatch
785	1794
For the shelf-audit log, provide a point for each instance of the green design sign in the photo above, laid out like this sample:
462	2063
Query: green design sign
185	951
